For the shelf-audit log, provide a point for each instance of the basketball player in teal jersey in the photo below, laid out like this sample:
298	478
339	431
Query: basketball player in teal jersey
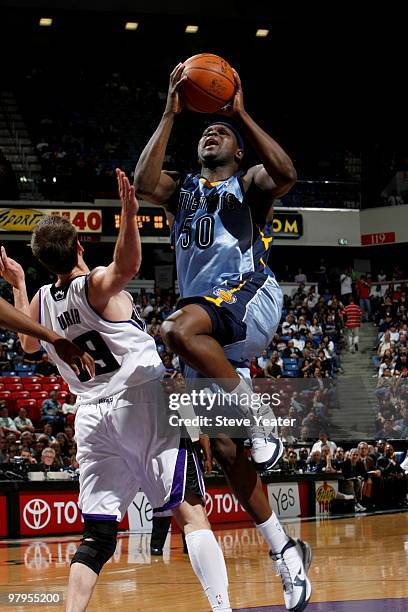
230	303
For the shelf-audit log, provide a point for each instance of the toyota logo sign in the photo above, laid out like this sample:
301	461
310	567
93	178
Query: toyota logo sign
209	504
36	514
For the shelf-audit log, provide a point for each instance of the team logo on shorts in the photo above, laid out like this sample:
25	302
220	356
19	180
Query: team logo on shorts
227	296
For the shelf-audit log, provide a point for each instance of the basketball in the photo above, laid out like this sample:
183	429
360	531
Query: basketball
210	83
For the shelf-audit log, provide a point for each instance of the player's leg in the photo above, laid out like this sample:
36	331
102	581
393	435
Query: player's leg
355	338
97	546
188	332
160	528
206	557
292	557
101	471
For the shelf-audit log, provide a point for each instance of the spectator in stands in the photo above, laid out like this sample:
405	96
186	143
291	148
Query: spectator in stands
385	344
45	367
314	463
363	291
311	299
338	458
6	423
324	441
394	479
59	459
26	454
303	456
27	438
48	431
346	286
388	432
354	473
300	277
273	368
352	315
69	432
47	458
3	448
51	411
291	351
401	425
65	445
254	369
368	461
263	359
69	408
22	422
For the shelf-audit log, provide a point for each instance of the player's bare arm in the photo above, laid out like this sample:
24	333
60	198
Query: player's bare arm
23	318
150	181
106	283
276	175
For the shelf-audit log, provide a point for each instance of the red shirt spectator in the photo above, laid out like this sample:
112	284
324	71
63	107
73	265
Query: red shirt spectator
353	314
363	289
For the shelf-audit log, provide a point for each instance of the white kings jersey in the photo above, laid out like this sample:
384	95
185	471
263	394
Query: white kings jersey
125	355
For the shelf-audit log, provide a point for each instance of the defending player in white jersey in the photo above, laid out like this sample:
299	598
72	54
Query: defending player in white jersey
125	441
13	319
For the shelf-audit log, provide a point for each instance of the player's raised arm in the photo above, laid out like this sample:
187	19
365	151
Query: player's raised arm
150	181
276	174
104	283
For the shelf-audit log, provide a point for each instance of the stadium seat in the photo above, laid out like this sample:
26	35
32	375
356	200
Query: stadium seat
10	379
6	395
16	395
14	386
51	387
1	386
5	374
61	395
39	394
29	405
49	379
29	386
33	379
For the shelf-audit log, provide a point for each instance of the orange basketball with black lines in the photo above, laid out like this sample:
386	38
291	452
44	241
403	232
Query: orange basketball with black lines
209	85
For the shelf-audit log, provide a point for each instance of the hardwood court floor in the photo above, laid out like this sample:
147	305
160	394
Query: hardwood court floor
355	558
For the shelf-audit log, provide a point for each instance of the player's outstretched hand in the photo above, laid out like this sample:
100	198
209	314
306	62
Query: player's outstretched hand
235	107
130	205
174	102
10	270
75	357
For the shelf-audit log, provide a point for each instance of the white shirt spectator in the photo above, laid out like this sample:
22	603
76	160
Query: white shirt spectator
21	423
299	344
316	330
146	311
317	446
262	361
300	278
7	422
345	280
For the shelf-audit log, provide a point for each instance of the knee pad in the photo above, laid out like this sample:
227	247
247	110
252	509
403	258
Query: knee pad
97	544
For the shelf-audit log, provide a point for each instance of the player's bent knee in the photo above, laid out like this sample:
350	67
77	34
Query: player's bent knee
97	545
174	336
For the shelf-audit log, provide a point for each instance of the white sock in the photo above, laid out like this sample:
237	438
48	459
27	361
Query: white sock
208	564
273	533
